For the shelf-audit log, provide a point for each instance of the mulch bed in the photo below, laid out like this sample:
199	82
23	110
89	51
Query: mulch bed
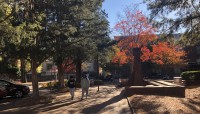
143	104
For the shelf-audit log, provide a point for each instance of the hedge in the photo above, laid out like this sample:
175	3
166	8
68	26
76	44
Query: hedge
53	84
190	75
96	82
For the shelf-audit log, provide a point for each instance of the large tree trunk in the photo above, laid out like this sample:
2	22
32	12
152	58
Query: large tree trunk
96	65
60	72
34	80
138	77
78	70
97	68
61	76
59	63
23	74
131	75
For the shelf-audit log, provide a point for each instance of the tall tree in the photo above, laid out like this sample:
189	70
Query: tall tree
136	33
174	15
32	17
71	23
10	38
29	17
93	31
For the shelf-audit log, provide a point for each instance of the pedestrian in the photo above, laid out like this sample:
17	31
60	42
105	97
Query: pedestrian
85	84
71	84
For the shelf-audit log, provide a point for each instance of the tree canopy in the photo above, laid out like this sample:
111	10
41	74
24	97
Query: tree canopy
136	32
38	29
177	15
163	53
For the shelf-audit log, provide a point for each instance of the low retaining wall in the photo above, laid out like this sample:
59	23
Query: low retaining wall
125	82
156	90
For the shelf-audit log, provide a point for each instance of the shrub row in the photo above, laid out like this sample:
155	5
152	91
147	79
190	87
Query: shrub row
55	84
52	84
190	75
98	82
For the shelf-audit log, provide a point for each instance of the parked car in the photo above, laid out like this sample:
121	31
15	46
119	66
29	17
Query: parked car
15	90
2	92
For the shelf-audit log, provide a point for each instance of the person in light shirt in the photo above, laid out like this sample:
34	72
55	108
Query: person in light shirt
85	84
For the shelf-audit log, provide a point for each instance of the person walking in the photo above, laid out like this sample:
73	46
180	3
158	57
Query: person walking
71	84
85	84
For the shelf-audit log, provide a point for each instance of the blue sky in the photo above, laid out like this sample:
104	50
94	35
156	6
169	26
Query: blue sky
115	7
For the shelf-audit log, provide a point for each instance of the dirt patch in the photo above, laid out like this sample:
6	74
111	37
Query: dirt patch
143	104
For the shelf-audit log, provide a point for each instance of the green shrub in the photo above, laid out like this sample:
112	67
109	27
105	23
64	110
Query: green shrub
53	84
191	75
96	82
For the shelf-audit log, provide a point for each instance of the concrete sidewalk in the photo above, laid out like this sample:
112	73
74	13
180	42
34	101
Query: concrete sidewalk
109	100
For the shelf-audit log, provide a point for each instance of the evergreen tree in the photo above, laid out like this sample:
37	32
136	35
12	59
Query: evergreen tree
10	36
90	46
174	15
27	42
72	27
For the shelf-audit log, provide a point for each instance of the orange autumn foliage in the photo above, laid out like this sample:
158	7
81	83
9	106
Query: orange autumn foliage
120	56
136	30
136	33
69	66
163	53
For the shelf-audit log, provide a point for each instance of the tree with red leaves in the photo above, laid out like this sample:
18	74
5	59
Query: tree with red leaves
164	53
69	66
136	33
120	56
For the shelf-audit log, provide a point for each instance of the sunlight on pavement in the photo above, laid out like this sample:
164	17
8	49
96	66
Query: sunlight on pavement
107	101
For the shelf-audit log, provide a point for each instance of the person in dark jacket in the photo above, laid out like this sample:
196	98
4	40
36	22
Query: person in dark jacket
71	84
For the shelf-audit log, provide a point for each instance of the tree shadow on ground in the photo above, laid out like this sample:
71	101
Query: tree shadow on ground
194	105
147	106
28	101
53	106
103	91
101	106
29	105
41	107
6	100
10	102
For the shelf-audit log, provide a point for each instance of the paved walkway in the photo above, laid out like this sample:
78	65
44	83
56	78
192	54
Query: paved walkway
109	100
